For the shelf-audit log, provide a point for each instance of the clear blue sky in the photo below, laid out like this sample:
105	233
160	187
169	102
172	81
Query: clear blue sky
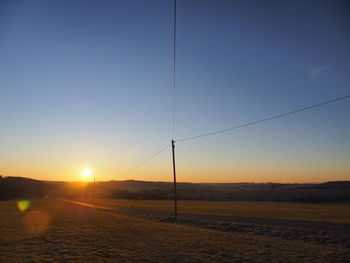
89	84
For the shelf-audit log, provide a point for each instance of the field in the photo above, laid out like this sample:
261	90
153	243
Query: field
288	211
57	231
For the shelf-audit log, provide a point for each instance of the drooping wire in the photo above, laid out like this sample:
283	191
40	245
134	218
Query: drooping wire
174	100
144	161
174	70
263	120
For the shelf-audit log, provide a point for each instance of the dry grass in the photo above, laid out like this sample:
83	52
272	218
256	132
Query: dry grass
80	234
289	211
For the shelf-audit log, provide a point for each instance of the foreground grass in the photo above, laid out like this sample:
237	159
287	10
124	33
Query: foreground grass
71	233
288	211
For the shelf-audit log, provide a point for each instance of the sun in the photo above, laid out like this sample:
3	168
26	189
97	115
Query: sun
86	173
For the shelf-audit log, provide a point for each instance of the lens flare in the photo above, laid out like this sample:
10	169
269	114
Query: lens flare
36	222
23	205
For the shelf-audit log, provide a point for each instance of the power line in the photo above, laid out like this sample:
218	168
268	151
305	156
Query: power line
263	120
144	161
174	99
174	68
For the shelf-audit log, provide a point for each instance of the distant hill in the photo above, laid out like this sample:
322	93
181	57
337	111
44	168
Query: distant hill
26	188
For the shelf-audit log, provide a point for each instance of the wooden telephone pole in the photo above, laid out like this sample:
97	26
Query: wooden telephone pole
93	191
172	141
174	172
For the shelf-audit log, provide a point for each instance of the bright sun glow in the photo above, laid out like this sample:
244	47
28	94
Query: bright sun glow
86	172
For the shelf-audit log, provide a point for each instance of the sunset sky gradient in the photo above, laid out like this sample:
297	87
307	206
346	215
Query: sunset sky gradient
88	84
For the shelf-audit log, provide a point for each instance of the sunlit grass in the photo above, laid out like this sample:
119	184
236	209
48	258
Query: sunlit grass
278	210
80	234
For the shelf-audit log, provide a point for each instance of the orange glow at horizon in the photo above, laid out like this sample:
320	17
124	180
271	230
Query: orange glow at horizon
189	173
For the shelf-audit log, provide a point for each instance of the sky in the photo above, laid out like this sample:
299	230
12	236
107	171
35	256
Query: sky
88	85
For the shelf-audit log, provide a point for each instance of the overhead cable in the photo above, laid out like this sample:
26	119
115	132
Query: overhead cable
174	69
144	161
263	120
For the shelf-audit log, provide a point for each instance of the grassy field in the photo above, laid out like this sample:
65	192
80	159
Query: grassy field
289	211
54	231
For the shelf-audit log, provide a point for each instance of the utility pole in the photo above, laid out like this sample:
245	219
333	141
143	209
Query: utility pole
174	172
174	86
93	192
